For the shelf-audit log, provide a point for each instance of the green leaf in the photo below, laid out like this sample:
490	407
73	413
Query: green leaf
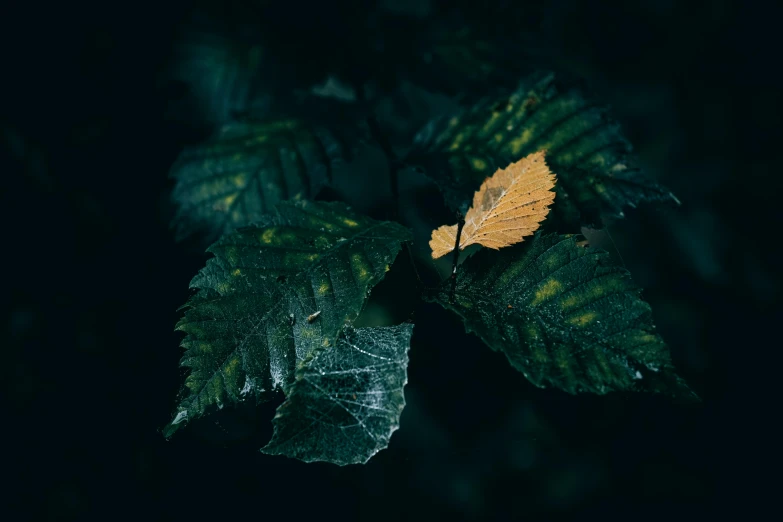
243	171
346	402
564	316
223	77
585	148
274	293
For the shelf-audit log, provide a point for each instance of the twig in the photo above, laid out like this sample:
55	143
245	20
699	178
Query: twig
460	224
407	248
615	246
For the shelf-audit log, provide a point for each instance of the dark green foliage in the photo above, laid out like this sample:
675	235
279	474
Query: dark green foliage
274	293
585	148
456	58
245	169
564	316
346	402
274	308
222	77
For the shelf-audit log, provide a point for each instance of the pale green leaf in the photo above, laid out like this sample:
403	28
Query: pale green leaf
346	402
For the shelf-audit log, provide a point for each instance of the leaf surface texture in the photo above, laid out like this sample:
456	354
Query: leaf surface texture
508	206
255	314
244	170
346	402
586	148
565	317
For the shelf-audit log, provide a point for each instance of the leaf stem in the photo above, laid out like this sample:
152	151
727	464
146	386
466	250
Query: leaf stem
455	262
419	281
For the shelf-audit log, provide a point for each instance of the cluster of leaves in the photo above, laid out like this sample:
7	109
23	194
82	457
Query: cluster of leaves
274	308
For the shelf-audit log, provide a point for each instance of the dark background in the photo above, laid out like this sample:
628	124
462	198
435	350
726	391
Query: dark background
93	279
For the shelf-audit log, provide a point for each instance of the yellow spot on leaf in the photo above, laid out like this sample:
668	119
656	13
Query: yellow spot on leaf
547	290
216	389
350	222
320	223
479	164
236	272
582	319
596	292
490	122
645	338
517	144
230	369
359	267
225	203
268	236
455	145
324	289
240	180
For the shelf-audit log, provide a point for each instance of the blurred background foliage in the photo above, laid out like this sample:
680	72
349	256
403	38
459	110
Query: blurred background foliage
101	98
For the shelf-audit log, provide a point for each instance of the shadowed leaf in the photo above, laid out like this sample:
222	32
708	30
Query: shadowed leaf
564	316
507	207
223	78
584	147
243	171
274	293
458	56
346	402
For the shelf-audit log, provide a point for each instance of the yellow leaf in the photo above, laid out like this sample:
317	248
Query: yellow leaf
509	205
